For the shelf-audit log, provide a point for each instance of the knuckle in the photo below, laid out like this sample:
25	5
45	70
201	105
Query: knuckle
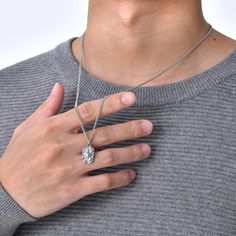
137	154
113	103
86	110
65	171
62	144
56	148
101	135
46	128
109	157
107	181
133	129
59	173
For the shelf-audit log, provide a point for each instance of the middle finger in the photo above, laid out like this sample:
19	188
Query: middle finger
113	134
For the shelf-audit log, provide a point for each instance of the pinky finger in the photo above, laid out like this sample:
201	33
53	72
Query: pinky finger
103	182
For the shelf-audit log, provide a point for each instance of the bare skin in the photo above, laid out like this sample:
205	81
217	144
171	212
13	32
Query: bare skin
41	167
145	37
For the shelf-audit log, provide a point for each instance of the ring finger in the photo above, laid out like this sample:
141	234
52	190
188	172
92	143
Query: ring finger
116	156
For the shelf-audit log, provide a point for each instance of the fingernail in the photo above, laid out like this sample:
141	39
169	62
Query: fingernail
132	174
146	150
147	126
128	98
54	89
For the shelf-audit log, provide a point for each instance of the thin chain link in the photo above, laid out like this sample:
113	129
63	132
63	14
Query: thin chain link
210	29
89	139
178	61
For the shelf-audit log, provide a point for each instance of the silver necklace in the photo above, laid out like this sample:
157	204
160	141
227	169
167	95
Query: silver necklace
88	151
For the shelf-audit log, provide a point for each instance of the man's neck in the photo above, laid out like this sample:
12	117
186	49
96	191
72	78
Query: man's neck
128	41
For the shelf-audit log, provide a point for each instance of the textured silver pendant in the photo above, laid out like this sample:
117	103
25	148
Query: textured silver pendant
88	154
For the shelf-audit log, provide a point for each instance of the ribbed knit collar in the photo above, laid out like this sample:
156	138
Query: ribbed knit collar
92	88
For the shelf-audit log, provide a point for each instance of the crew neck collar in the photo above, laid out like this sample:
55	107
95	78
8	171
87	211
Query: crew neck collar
93	88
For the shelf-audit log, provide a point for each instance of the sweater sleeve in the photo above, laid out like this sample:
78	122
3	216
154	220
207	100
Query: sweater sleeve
11	214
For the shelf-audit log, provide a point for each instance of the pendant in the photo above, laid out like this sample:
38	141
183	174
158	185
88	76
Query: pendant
88	154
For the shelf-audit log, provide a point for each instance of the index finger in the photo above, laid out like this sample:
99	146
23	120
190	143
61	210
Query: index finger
88	110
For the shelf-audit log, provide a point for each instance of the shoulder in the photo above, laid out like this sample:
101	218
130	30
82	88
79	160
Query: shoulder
33	77
226	90
24	85
28	70
227	47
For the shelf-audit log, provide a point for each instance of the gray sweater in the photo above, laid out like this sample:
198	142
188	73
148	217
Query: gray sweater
188	184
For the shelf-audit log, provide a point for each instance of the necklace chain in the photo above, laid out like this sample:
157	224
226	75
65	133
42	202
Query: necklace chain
86	155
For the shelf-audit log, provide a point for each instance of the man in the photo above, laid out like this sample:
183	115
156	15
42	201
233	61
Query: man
185	119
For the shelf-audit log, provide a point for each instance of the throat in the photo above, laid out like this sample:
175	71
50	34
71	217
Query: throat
129	42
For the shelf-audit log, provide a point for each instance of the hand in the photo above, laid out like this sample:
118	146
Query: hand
41	168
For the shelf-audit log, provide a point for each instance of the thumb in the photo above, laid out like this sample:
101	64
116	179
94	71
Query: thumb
51	106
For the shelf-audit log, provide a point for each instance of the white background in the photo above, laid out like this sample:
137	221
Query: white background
29	27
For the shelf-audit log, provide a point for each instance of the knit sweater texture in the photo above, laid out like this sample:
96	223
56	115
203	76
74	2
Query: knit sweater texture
188	184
